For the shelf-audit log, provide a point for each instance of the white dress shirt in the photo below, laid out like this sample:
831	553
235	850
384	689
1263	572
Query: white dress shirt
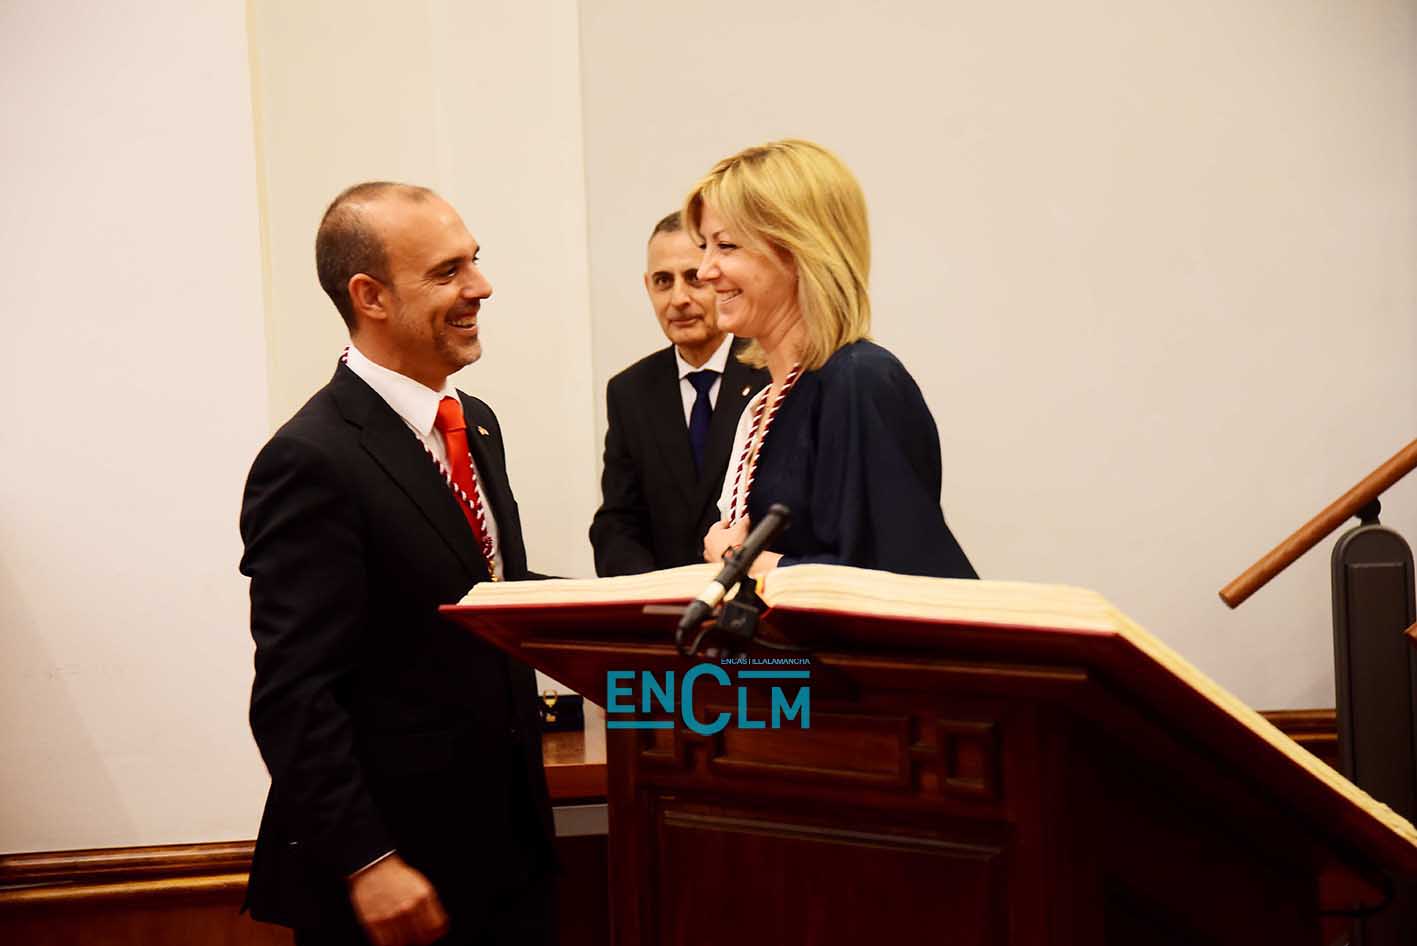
418	406
718	361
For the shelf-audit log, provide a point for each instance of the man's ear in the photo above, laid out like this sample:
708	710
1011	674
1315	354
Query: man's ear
366	295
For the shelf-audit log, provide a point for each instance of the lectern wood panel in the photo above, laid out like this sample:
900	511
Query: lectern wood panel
1180	863
879	757
836	878
948	815
888	818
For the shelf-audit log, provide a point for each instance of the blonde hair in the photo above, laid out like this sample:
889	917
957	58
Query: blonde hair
798	199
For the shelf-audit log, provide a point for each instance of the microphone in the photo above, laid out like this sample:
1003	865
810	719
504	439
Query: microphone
735	567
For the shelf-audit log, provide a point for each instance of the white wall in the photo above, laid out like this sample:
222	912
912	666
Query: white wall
133	398
1152	264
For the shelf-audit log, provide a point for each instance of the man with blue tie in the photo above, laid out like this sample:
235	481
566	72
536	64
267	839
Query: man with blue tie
671	416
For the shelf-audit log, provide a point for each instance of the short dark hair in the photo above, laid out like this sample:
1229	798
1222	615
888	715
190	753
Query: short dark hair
672	223
346	245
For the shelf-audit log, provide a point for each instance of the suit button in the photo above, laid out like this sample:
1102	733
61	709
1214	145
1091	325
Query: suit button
514	732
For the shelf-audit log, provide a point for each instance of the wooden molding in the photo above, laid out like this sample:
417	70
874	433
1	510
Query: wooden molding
1314	729
1304	721
125	865
70	895
110	874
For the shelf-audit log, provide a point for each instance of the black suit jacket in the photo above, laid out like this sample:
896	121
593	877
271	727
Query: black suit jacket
655	509
382	725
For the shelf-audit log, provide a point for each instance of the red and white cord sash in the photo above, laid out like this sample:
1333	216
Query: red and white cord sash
473	503
746	472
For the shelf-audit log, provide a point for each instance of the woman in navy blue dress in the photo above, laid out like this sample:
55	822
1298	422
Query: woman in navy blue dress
842	435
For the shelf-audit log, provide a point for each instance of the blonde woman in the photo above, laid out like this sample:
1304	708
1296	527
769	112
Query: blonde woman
842	435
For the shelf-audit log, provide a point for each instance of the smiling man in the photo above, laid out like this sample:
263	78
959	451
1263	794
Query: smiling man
671	422
408	800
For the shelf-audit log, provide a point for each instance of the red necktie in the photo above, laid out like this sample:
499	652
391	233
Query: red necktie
454	430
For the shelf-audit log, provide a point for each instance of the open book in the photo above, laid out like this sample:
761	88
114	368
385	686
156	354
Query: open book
831	588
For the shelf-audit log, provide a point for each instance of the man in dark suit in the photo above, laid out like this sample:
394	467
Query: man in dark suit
407	796
672	416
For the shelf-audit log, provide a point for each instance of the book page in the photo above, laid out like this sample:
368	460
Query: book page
833	588
670	584
953	600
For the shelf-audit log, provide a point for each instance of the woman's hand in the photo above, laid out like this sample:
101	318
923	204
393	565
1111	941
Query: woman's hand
721	537
764	563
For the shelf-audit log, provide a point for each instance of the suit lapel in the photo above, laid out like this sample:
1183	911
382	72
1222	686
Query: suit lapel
664	406
737	377
395	448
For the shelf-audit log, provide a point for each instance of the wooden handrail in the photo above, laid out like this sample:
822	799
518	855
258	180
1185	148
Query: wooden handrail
1317	529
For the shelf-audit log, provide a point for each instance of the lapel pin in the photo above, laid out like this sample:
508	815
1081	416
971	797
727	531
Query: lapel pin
482	430
746	390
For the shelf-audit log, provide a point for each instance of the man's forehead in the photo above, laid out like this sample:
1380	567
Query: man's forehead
672	251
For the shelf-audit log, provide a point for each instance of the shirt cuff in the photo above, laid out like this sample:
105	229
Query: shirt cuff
385	855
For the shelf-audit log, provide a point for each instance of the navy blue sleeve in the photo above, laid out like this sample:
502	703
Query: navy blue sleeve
876	473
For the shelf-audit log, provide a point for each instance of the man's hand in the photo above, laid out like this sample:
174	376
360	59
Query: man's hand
721	537
396	905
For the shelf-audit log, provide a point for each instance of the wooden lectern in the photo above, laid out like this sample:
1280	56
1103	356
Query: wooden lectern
961	782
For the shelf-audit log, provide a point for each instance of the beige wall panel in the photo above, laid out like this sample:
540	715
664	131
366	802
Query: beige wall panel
132	399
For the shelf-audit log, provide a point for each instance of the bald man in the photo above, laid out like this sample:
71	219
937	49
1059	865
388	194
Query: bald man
408	800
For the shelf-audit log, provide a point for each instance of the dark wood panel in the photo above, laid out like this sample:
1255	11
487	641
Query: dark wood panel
1241	866
576	783
183	920
968	753
584	891
841	748
903	885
